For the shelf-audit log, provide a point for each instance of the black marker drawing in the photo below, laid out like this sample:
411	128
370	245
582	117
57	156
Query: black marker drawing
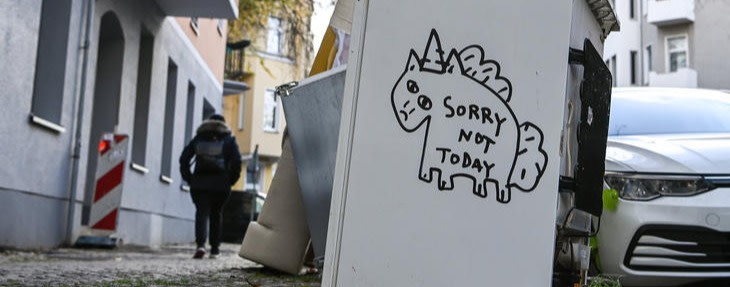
461	102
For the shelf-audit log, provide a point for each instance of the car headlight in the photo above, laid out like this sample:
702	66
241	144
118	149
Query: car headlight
632	186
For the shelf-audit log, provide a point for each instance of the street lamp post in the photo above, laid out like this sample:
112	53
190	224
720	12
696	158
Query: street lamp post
252	171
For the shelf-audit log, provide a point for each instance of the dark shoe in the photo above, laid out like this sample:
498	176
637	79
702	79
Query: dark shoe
214	253
200	253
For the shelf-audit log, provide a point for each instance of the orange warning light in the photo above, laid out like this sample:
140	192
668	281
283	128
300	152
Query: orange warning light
104	146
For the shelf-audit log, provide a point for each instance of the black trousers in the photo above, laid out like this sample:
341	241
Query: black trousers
208	208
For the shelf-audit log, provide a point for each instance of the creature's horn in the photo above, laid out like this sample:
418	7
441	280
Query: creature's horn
433	57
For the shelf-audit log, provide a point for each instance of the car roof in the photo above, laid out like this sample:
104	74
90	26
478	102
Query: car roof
669	91
668	110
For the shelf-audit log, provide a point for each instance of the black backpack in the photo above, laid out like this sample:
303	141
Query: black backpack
209	156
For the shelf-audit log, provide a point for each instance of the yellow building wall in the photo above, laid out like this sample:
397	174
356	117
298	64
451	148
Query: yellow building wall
263	72
269	176
231	105
268	74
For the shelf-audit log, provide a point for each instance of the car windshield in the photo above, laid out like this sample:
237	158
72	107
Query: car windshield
669	112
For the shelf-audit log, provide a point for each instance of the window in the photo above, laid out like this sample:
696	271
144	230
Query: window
612	67
275	36
169	126
649	56
50	67
677	52
632	9
208	109
221	26
647	64
633	67
194	25
142	102
241	111
190	109
271	112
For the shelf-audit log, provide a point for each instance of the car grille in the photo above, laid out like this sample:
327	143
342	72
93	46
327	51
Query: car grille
719	181
679	248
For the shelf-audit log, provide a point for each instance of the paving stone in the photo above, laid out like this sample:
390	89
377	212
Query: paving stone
135	266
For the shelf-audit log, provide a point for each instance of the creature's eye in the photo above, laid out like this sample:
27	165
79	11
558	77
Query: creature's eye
424	102
412	86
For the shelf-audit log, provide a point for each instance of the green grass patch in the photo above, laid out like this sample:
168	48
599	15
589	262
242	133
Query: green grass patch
123	282
604	281
142	282
12	283
265	276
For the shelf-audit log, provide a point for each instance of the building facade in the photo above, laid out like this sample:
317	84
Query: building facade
671	43
257	115
73	70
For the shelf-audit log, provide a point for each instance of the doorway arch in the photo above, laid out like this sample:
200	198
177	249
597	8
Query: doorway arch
107	89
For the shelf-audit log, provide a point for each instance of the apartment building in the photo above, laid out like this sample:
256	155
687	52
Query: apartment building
671	43
72	70
256	113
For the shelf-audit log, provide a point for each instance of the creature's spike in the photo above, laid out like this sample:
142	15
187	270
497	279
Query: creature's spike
453	62
413	61
484	71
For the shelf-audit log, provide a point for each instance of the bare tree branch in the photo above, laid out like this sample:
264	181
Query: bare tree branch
295	17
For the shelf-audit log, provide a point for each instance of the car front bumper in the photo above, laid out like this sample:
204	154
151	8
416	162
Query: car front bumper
668	241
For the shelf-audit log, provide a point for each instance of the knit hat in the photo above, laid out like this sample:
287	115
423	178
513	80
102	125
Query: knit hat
217	117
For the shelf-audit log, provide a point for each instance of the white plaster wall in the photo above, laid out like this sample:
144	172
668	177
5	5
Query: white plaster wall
711	53
146	193
34	181
623	42
34	175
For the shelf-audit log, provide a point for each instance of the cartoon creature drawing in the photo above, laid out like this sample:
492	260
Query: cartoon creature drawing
461	103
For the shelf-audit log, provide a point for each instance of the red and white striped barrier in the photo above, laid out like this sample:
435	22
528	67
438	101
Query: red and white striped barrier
108	188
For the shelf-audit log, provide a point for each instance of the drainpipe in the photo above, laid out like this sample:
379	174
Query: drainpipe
78	122
642	48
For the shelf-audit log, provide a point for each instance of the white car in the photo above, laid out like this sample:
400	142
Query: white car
668	156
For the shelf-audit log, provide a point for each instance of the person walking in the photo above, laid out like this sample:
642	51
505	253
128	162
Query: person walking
217	166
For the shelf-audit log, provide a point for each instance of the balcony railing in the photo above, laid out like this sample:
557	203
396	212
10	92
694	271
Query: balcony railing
670	12
235	59
682	78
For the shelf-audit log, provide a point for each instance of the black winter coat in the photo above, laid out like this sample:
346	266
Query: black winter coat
222	181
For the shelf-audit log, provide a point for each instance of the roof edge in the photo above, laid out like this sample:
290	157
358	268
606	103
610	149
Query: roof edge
605	15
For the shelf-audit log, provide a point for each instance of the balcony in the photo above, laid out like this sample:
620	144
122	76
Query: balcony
682	78
219	9
670	12
235	55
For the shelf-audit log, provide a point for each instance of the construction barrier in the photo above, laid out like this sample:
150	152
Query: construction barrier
108	185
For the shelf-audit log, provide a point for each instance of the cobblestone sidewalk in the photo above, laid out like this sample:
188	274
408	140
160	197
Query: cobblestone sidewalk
133	266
